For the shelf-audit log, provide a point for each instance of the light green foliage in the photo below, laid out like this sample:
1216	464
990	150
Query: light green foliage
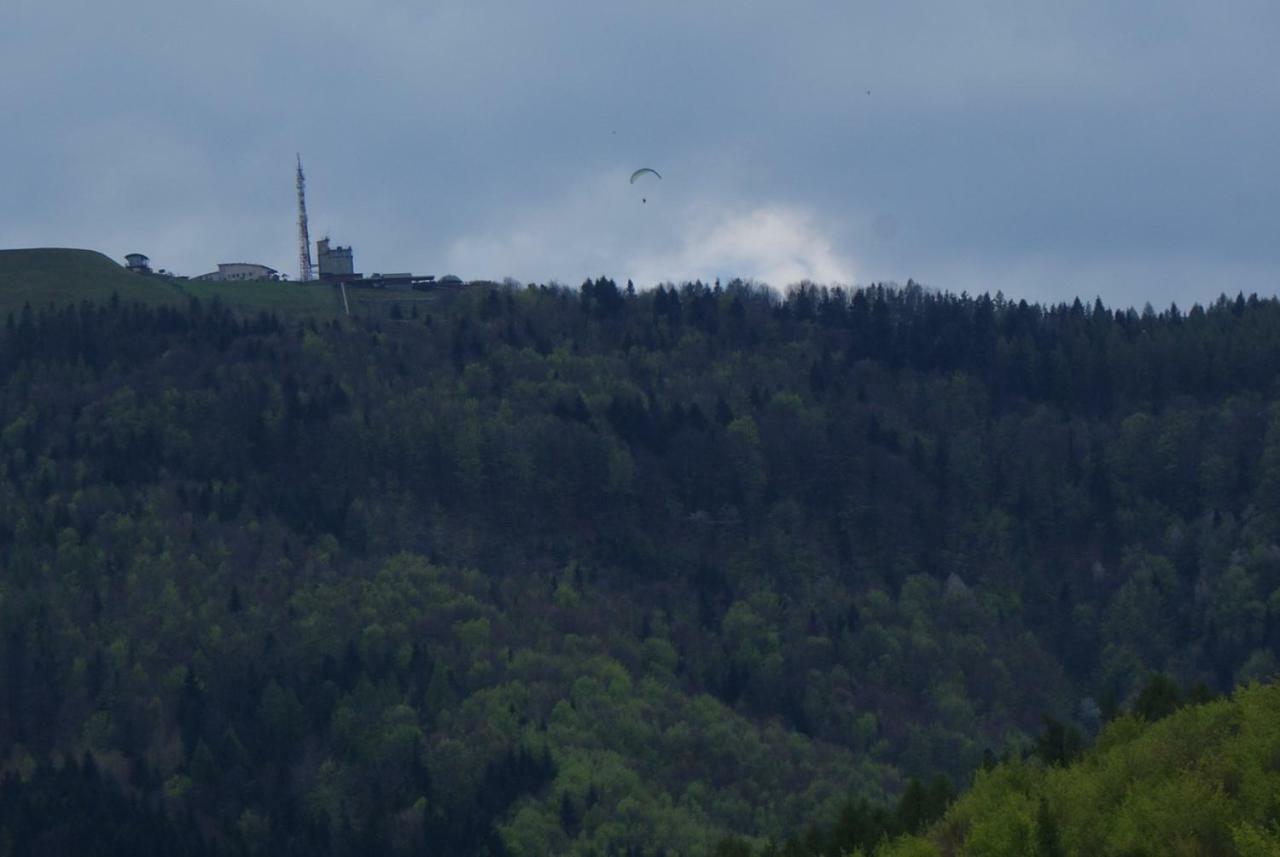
1202	781
1256	840
566	595
289	299
912	847
531	833
659	657
472	633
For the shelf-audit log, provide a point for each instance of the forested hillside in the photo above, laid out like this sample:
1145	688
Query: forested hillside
595	572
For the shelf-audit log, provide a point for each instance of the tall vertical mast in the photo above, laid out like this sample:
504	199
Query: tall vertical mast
304	240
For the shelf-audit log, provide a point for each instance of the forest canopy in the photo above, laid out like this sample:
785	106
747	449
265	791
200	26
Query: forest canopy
539	570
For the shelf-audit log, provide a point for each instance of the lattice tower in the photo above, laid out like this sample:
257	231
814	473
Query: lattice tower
304	239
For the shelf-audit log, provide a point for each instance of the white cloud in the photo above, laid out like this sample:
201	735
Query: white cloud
778	245
1048	150
604	226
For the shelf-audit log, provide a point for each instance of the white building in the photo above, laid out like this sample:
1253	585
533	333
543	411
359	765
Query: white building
241	271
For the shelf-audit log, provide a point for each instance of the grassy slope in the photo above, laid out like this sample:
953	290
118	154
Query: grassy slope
1204	780
58	276
288	299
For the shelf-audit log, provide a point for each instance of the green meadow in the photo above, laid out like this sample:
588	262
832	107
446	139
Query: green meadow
58	276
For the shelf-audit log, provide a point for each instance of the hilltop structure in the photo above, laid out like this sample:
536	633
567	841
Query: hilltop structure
229	271
137	263
304	239
335	262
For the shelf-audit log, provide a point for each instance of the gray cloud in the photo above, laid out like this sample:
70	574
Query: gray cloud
1046	149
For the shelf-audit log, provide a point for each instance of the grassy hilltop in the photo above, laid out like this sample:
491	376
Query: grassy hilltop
59	276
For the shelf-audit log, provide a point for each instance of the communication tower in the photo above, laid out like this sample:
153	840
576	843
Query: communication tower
304	240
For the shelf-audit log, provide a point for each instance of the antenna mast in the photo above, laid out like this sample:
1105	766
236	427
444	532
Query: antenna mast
304	240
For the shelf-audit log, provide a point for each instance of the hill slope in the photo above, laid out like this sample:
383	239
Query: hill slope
58	276
53	275
1202	781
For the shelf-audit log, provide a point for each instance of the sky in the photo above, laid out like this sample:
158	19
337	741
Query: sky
1047	150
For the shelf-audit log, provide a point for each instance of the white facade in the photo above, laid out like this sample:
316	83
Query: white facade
241	271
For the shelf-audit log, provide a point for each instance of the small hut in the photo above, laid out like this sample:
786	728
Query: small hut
137	263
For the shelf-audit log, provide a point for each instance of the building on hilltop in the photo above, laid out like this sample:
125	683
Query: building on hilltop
228	271
334	262
137	263
393	281
335	265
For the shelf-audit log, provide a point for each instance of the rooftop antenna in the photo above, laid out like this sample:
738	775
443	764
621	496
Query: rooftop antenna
304	240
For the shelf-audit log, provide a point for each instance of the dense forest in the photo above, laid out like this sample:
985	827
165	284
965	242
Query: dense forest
537	570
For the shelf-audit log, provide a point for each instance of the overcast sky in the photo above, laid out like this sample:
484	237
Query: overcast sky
1129	150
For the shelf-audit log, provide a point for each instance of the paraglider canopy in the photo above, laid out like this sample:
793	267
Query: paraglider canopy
642	171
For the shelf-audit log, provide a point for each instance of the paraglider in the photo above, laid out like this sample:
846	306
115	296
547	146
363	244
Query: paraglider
643	171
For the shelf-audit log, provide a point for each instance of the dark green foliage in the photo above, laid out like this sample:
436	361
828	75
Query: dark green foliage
733	846
190	713
1060	743
1159	698
1048	840
860	825
568	815
922	804
73	809
545	558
